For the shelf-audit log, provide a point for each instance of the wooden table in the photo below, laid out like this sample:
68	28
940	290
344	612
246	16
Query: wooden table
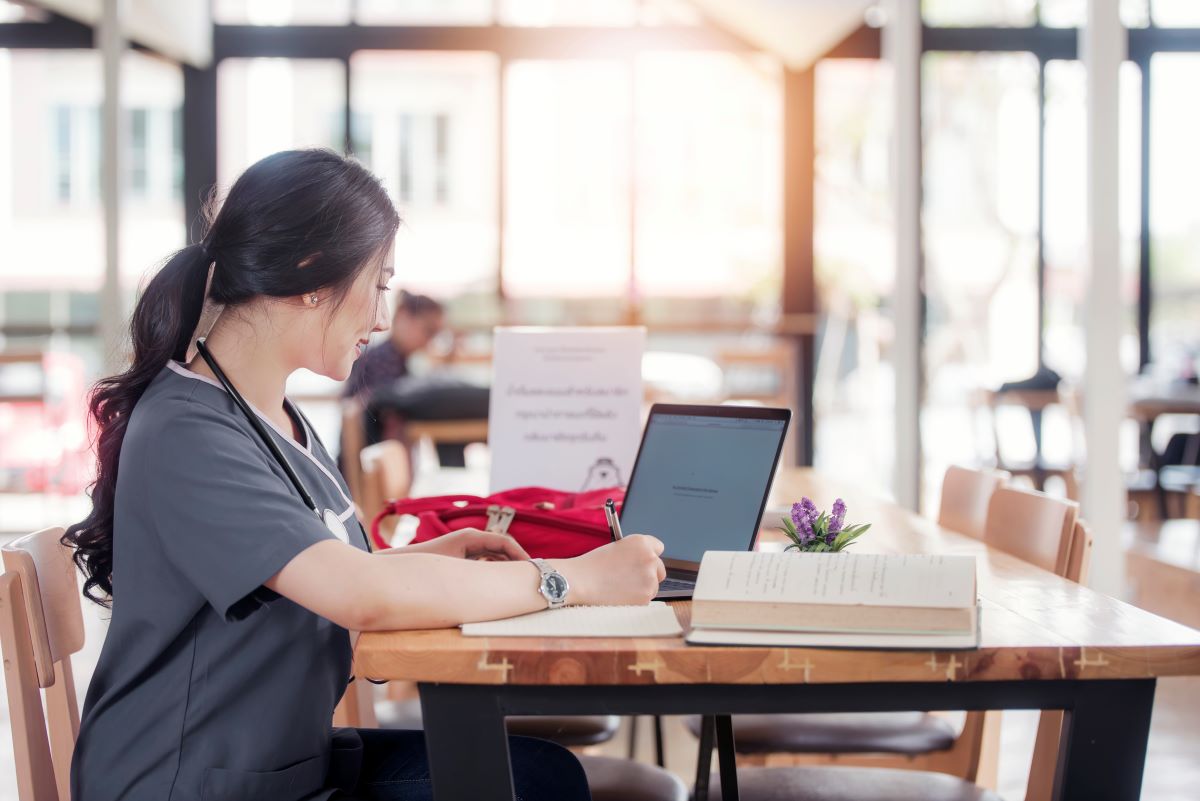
1046	643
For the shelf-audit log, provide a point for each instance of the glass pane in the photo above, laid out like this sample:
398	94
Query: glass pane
281	12
1073	13
425	123
1135	13
1066	215
709	177
856	271
1062	13
50	170
567	182
568	12
265	105
980	224
952	13
21	12
424	12
1176	13
1174	215
152	224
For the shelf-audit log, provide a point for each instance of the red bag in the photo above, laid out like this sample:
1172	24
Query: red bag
547	523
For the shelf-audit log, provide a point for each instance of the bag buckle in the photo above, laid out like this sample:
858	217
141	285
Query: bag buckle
499	518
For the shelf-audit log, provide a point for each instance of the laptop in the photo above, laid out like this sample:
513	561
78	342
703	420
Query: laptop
700	483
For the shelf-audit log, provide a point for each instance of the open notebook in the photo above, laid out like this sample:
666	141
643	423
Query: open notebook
654	620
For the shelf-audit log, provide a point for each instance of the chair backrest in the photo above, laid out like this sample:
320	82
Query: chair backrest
965	496
1079	558
1032	526
1042	768
353	438
386	476
40	629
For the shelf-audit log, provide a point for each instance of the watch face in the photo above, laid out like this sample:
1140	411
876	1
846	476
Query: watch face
556	586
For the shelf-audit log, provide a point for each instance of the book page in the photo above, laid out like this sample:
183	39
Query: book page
786	639
928	580
655	620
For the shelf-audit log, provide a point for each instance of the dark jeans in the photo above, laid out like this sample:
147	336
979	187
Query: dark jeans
394	768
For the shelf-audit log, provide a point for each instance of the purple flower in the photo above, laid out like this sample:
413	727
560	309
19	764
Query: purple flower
804	514
838	518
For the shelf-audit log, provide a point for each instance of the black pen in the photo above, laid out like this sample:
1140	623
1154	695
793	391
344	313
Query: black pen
614	524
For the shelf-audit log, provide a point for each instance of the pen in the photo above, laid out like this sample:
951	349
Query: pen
614	524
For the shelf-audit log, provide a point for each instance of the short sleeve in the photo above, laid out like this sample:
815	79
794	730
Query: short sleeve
226	515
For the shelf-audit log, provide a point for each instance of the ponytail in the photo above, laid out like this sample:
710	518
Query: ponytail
166	314
294	222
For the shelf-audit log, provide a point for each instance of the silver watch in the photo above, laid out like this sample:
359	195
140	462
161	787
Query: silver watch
553	586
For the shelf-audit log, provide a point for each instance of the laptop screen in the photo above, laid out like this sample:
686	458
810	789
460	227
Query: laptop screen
700	481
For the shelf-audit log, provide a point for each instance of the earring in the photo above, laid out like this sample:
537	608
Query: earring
312	299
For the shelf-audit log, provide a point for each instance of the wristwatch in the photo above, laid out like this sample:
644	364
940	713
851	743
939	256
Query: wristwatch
553	587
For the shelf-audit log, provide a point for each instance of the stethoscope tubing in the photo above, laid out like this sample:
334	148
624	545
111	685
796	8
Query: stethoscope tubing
241	403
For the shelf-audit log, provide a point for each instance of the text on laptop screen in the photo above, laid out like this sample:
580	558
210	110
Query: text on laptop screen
700	481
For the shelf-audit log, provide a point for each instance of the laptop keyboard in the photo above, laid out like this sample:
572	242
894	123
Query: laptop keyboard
670	584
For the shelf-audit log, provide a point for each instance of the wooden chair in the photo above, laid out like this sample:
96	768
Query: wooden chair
41	627
1040	786
353	440
965	496
886	784
386	474
1032	526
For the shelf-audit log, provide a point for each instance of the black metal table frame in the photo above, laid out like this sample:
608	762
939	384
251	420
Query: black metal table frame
1102	752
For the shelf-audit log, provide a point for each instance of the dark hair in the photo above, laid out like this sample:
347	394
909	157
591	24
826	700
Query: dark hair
415	305
294	222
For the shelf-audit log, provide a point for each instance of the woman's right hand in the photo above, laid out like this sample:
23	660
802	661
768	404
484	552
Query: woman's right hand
625	572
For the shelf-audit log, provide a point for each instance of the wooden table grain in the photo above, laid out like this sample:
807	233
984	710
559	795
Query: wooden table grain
1034	624
1045	643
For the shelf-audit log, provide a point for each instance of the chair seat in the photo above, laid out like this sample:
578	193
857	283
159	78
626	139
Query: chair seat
569	731
847	733
850	784
613	779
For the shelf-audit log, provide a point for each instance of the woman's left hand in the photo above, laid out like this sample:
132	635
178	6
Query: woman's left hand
471	543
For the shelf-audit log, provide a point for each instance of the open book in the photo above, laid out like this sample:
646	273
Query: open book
836	600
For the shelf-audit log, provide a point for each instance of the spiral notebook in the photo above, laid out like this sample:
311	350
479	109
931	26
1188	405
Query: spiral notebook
654	620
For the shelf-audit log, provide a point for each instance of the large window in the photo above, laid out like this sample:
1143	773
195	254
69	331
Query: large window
52	249
1174	212
855	271
271	104
425	123
567	178
980	236
707	165
1066	216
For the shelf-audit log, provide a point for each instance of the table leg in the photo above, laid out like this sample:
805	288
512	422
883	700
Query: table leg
727	758
466	743
658	742
703	759
1103	749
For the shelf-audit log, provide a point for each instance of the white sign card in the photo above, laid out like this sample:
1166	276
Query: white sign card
565	407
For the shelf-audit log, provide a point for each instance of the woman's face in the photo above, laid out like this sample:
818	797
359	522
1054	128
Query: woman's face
347	326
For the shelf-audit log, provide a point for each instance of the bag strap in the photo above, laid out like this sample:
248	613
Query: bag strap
415	506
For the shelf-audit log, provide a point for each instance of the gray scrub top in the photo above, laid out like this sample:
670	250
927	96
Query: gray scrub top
209	685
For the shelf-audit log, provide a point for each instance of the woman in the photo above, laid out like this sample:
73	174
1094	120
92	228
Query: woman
234	587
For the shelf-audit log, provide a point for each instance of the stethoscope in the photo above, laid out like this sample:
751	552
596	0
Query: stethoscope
327	516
